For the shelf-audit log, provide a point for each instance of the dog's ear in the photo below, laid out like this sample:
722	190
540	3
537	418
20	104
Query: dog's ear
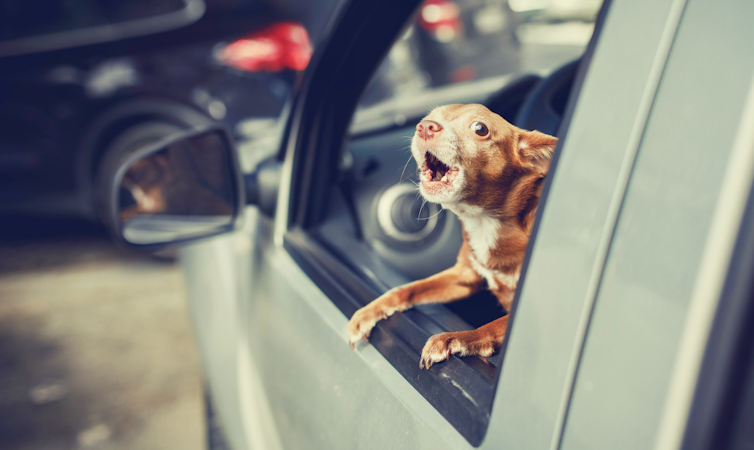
536	148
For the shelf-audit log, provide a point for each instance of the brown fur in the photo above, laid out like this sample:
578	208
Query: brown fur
145	180
503	178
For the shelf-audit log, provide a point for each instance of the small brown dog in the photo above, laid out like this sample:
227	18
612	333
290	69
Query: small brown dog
145	180
490	174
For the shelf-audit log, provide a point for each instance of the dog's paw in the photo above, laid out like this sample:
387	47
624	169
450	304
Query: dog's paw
363	320
463	343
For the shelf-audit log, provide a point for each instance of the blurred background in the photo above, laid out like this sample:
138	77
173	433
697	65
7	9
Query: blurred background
96	349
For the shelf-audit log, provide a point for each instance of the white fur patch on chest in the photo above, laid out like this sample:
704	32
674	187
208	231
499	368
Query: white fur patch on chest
481	229
493	277
483	232
485	273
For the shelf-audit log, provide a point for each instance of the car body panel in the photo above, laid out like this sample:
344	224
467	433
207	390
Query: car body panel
535	371
299	342
662	232
297	359
211	273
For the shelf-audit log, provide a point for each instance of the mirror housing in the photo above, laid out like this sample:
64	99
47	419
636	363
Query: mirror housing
261	186
183	188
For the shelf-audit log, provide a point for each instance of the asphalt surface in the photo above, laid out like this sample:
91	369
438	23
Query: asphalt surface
96	350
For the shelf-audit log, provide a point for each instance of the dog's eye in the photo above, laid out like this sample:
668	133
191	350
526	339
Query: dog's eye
480	128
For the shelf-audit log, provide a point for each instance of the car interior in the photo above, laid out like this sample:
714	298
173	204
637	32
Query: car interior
377	223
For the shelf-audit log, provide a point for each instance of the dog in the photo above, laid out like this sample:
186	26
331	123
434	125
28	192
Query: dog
490	174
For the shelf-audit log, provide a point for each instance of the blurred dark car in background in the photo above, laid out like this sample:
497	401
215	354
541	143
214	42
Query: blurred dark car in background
85	82
89	80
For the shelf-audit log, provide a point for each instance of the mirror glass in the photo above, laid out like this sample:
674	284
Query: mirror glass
186	189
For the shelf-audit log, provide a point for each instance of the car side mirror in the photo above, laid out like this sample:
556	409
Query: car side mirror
186	187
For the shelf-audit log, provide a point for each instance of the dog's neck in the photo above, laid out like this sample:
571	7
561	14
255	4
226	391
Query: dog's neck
497	243
482	230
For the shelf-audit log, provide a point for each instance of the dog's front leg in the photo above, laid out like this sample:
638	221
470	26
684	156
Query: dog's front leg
484	341
460	281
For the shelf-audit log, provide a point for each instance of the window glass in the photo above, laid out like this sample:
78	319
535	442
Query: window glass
456	42
22	18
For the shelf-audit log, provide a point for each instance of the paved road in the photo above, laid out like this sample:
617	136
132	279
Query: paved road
96	350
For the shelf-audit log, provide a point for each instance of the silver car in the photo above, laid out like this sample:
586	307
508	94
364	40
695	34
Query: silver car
631	327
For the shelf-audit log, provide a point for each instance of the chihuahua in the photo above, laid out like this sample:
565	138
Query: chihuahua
490	174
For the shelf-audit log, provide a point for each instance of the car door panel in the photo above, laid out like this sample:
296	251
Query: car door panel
323	394
528	404
215	274
659	241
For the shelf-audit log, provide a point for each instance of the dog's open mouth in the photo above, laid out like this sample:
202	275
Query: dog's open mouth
435	170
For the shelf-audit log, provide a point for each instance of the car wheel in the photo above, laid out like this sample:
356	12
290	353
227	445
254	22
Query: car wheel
215	435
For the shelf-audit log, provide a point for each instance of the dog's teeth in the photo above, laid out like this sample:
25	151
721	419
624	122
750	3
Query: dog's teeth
444	177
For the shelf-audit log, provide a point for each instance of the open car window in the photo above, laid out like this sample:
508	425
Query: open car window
372	232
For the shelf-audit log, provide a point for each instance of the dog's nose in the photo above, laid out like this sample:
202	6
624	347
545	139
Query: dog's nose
428	128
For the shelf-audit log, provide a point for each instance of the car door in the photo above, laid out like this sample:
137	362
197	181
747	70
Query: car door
679	216
271	302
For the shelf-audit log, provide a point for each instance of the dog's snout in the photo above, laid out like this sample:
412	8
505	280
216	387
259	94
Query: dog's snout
428	128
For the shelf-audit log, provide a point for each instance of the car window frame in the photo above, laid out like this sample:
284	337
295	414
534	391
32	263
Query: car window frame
727	367
315	134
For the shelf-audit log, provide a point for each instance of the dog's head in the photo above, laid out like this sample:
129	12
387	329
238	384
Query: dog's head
468	155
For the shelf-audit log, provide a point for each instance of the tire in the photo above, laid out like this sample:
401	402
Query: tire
215	435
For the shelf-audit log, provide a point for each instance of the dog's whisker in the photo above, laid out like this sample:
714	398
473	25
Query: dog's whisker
433	215
404	169
424	202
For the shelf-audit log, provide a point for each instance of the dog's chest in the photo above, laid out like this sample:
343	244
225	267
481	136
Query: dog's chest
483	232
495	278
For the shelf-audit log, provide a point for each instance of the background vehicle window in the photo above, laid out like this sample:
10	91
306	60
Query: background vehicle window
455	42
20	18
